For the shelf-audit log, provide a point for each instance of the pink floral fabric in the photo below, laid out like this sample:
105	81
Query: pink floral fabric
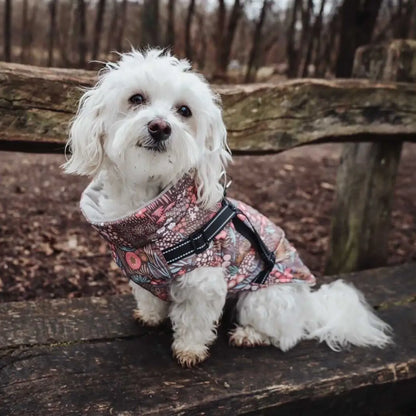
137	241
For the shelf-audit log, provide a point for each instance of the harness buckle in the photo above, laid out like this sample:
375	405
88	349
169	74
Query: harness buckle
198	242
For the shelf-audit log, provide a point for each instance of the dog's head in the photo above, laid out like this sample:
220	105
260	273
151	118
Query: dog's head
150	116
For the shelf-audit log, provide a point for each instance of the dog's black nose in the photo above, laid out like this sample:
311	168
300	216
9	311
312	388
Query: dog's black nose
159	129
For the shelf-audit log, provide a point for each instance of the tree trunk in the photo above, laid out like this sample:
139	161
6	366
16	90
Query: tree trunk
318	37
306	17
219	37
23	31
122	25
188	29
65	24
82	34
358	19
7	30
112	28
99	17
314	37
170	29
252	64
202	52
291	51
229	38
324	61
52	30
150	23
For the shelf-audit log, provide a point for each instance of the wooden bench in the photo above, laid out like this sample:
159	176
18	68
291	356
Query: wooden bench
88	356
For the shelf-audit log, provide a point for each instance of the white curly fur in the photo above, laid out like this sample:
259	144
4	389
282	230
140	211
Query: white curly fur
106	140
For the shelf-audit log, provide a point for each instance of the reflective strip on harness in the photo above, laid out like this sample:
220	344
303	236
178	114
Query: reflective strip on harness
199	241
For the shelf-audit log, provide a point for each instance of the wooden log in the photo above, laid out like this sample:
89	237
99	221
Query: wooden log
367	173
135	374
36	105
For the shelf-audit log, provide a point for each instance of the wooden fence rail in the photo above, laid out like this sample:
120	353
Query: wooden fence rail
37	104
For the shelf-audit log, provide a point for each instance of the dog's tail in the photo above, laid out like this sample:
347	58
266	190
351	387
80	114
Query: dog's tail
340	316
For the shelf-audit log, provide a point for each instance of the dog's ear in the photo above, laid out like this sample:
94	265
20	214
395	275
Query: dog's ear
213	163
87	135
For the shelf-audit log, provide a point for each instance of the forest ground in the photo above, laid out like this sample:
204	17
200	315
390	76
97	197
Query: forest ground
48	251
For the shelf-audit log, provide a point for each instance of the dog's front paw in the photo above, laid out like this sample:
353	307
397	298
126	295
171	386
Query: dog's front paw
247	336
190	356
147	319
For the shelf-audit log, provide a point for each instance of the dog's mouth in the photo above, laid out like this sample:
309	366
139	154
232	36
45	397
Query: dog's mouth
158	146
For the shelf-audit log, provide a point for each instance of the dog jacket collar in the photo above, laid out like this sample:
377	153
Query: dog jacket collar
141	242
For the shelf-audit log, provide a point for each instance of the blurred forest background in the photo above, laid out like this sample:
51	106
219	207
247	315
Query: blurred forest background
228	40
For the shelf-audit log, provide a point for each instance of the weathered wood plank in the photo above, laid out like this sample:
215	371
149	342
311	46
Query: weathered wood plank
66	320
367	173
36	105
91	319
138	376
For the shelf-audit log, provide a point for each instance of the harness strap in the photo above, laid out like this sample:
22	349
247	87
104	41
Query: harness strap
199	241
256	241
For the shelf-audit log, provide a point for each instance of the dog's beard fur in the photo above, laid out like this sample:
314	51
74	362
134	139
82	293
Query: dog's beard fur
110	140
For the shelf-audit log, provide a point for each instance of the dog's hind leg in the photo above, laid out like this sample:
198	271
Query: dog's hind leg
274	315
197	302
247	336
151	310
287	313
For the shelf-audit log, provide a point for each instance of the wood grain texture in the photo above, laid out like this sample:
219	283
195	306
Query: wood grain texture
66	320
89	319
123	368
138	376
37	104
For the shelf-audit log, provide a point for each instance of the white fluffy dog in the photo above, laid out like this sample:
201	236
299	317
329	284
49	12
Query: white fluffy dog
148	122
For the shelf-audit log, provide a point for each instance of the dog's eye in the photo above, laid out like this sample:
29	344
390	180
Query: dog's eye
137	99
184	111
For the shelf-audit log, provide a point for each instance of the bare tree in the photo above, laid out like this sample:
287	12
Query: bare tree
218	38
202	41
65	33
225	34
188	28
52	30
24	31
314	38
170	29
306	19
122	25
98	28
82	33
229	37
150	23
324	60
358	19
7	30
291	51
112	27
252	64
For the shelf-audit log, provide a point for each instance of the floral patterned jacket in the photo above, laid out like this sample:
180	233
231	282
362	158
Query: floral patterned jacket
137	241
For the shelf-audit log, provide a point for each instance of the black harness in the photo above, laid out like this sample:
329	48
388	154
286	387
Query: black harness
199	241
